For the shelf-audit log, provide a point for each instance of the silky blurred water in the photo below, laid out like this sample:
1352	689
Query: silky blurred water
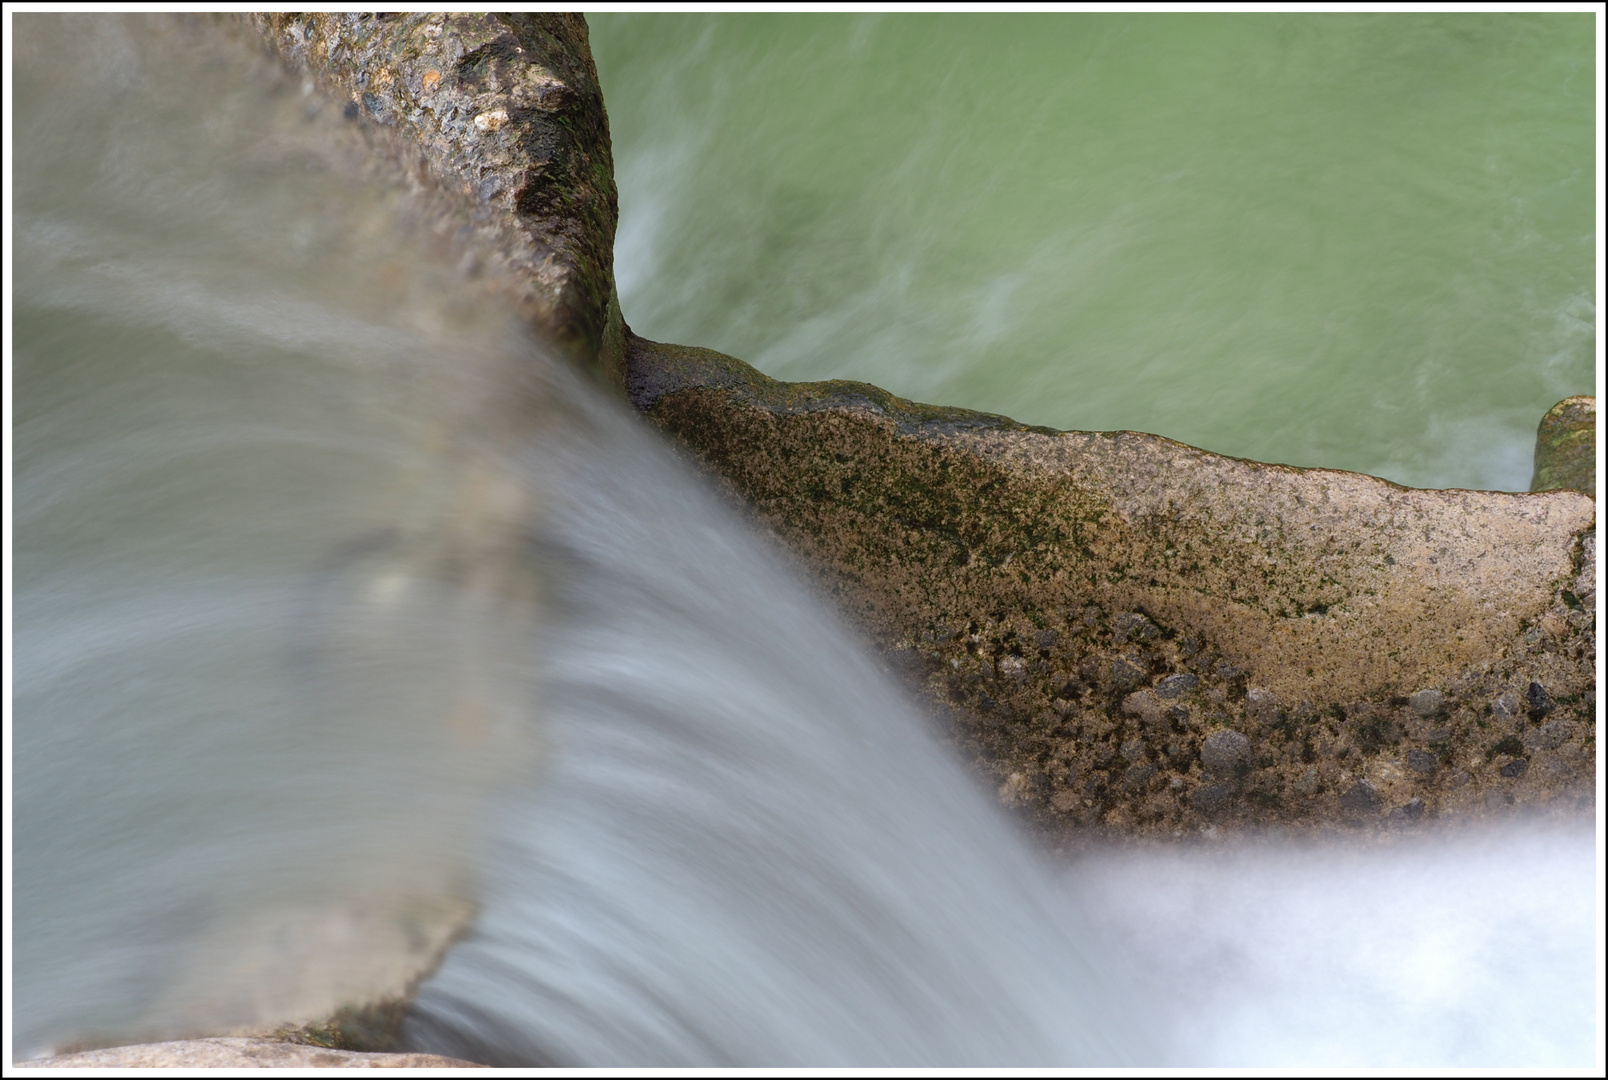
1359	241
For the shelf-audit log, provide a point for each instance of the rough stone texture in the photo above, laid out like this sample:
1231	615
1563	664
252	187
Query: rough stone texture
1097	612
1566	447
239	1054
505	111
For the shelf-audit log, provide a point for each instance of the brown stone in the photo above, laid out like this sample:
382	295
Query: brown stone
967	539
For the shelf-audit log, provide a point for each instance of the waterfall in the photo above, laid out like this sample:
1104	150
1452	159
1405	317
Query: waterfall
351	625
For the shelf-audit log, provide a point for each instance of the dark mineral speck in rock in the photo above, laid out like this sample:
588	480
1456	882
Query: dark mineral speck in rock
1422	761
1125	674
1548	736
1210	797
351	112
1515	768
1176	685
1540	701
1136	775
1225	752
1361	797
1132	624
1428	702
1228	671
1408	812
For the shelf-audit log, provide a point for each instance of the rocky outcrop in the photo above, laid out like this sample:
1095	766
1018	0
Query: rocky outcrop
1129	633
505	113
1125	633
1566	447
239	1054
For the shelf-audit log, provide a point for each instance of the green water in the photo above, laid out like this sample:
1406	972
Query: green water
1356	241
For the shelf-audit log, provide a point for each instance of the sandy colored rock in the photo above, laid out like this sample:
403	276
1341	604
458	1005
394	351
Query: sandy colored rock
240	1054
1049	591
1566	447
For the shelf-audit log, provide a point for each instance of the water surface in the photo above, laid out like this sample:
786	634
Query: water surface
1359	241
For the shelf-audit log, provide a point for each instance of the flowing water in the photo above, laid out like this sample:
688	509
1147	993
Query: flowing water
345	619
1356	241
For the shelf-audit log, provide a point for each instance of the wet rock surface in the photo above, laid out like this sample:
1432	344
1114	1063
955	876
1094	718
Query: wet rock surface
503	112
1139	638
1566	447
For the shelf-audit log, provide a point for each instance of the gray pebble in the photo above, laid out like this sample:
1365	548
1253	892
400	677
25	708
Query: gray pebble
1422	761
1125	674
1549	736
1225	753
1176	685
1362	796
1506	705
1428	702
1134	750
1143	704
1210	797
1262	707
1409	811
1134	625
1515	768
1136	775
1046	639
1540	701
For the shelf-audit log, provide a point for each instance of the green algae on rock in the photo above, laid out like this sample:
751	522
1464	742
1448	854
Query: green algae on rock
1094	609
1566	447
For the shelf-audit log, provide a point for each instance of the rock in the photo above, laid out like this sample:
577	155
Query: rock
1125	674
1143	704
1210	798
1262	707
1174	686
1548	736
1566	447
1131	624
226	1053
1012	667
1515	768
1506	705
1362	797
1136	776
1408	812
1046	639
1422	761
1226	753
506	109
1427	703
1134	750
1539	700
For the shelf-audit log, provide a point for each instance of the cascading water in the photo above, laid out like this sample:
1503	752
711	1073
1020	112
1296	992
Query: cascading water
345	618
